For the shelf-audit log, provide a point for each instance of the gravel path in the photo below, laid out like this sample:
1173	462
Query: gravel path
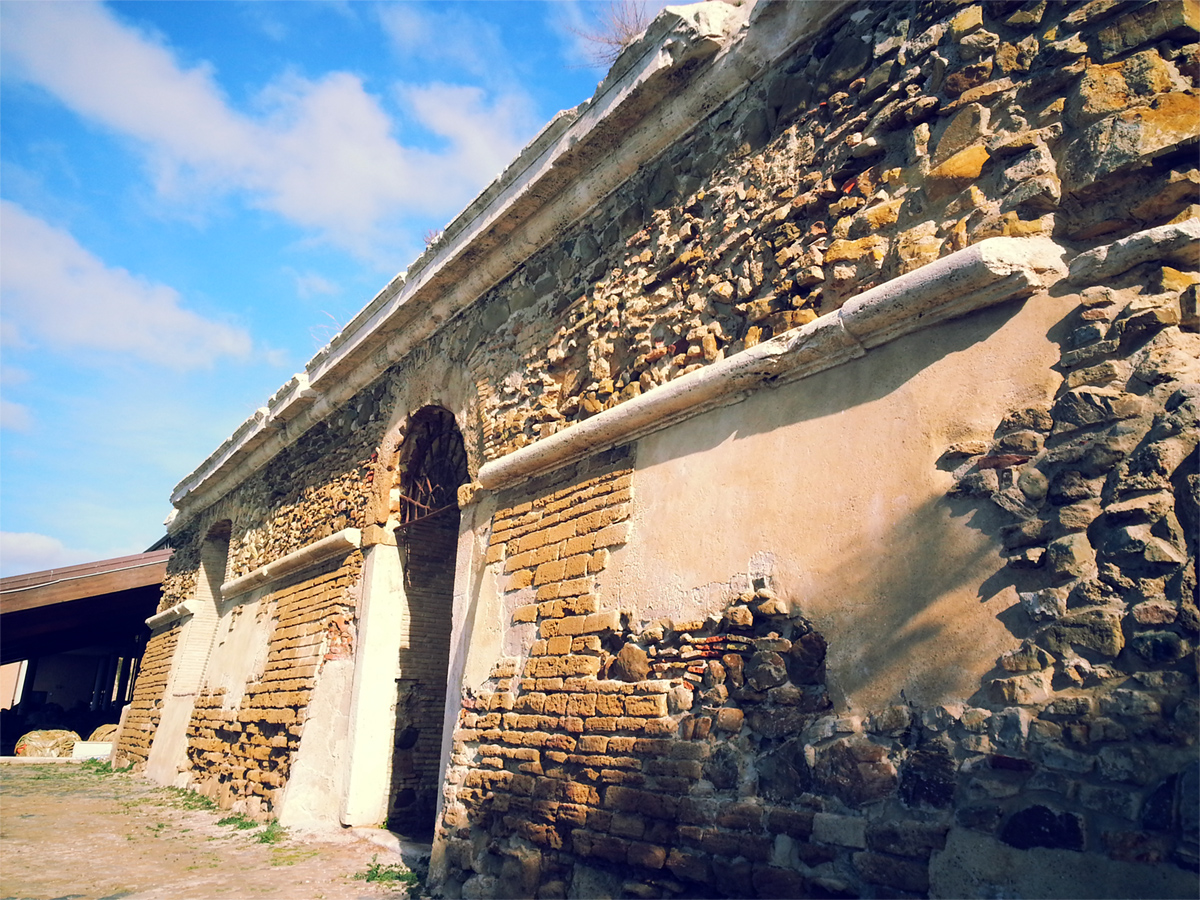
72	831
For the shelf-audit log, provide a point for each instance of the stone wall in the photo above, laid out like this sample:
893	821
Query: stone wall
900	134
753	742
240	749
149	692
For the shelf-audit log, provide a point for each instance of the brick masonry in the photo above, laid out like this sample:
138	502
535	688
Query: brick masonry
241	754
141	721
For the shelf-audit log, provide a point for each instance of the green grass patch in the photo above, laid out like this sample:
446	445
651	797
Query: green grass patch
239	821
102	767
281	856
272	834
389	873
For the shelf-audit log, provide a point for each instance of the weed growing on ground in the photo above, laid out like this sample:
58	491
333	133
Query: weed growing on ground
182	797
394	873
103	767
272	834
239	821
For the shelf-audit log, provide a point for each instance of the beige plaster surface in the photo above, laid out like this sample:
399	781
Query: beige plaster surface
240	652
832	485
316	783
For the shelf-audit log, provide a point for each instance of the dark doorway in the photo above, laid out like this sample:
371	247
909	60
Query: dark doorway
433	464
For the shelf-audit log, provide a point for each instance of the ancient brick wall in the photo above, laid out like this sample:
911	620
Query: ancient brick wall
901	133
241	753
142	719
701	755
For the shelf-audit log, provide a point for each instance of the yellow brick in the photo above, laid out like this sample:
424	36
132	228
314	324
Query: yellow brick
551	609
531	541
654	705
609	705
581	704
597	562
543	555
609	620
575	566
518	561
549	571
558	646
582	544
580	605
575	587
547	591
560	532
585	643
531	702
518	580
613	535
495	553
527	613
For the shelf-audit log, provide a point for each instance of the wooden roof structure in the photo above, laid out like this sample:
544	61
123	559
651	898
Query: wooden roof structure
96	603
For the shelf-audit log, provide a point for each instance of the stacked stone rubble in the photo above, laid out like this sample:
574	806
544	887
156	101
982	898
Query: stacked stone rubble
901	133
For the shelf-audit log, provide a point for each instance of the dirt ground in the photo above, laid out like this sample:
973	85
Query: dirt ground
74	831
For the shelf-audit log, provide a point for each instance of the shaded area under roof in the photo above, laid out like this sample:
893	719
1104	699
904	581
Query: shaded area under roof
79	606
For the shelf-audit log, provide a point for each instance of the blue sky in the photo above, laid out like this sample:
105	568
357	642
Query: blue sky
196	196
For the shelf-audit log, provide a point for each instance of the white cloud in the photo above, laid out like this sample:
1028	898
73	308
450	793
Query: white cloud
22	552
58	294
446	36
310	284
15	416
320	153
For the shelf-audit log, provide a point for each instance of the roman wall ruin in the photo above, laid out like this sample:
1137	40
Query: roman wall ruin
781	482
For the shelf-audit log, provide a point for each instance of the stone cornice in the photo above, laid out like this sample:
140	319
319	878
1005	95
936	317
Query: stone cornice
336	544
979	276
170	616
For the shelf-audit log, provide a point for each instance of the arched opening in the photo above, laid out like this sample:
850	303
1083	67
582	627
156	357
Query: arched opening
433	464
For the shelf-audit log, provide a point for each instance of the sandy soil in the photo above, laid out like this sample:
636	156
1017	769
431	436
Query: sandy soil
68	831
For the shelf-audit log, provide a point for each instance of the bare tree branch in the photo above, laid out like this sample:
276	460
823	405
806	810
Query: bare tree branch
621	23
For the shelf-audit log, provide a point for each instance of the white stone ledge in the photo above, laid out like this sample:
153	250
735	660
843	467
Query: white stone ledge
339	543
169	616
980	276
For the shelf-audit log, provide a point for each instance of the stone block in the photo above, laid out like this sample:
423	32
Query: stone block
1144	25
844	831
651	706
906	838
1022	690
1128	139
649	856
